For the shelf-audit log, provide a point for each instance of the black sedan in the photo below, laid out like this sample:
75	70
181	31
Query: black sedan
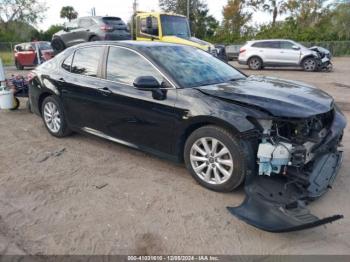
280	137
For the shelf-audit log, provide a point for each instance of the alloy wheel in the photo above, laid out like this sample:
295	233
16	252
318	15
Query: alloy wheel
255	63
211	160
310	65
52	117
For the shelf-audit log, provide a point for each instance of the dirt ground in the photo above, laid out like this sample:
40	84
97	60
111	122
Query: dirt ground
85	195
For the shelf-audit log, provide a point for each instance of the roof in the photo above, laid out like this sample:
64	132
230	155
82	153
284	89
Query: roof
272	40
130	43
158	13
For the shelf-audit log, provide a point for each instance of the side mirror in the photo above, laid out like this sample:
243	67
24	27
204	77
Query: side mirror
296	47
146	83
66	29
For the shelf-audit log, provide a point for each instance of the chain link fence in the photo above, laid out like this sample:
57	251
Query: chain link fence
6	52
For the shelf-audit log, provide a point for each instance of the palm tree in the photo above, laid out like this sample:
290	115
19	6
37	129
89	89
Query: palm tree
275	7
69	13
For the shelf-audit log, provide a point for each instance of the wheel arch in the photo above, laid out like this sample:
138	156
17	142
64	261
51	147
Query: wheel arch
255	55
197	123
42	98
306	57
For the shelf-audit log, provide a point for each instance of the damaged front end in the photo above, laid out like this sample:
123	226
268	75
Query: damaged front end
298	161
324	57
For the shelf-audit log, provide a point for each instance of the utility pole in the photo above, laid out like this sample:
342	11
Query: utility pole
134	9
188	10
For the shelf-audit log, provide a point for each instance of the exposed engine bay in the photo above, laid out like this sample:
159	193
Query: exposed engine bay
323	58
290	143
298	160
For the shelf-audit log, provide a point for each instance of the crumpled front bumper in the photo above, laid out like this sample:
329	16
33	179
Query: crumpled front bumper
277	204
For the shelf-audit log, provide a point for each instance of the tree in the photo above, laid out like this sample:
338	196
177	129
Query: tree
235	17
274	7
202	25
69	13
27	11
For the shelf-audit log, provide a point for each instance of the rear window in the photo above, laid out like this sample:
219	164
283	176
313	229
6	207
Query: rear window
112	20
86	61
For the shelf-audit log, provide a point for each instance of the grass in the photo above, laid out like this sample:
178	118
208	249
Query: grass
6	57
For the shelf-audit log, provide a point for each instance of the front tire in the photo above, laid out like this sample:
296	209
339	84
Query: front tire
58	45
94	39
53	117
255	63
309	64
215	158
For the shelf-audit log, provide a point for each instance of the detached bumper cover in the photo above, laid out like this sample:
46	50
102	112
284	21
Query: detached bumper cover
278	204
273	205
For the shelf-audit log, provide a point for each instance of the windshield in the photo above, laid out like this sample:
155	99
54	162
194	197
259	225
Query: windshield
192	67
175	26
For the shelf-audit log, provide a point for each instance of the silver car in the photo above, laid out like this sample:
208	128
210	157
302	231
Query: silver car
277	52
91	28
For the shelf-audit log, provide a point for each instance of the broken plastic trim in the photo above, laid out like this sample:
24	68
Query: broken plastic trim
275	205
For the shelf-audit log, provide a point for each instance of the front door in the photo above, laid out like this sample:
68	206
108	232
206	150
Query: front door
138	117
289	55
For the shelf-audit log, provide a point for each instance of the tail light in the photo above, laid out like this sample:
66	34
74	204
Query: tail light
242	50
107	28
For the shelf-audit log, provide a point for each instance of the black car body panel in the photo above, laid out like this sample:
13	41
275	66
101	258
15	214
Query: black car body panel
281	98
159	122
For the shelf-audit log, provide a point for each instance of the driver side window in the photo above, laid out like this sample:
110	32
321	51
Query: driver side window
149	26
124	66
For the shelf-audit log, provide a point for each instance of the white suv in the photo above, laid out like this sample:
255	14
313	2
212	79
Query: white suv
277	52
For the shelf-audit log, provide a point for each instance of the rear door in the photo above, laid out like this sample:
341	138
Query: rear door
270	51
80	85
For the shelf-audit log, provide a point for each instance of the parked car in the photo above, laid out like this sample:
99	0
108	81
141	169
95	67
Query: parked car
280	52
26	54
92	28
182	103
233	52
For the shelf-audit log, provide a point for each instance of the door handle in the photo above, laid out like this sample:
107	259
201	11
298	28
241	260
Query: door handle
61	79
105	91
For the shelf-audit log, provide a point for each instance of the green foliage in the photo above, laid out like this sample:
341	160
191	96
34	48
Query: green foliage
202	24
6	57
68	12
16	31
47	35
307	20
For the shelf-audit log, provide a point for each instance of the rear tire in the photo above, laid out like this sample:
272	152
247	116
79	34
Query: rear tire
209	166
54	118
57	45
255	63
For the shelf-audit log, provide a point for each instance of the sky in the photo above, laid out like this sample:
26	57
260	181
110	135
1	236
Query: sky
121	8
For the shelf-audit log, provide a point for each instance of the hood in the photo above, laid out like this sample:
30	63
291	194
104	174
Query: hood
282	98
190	41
